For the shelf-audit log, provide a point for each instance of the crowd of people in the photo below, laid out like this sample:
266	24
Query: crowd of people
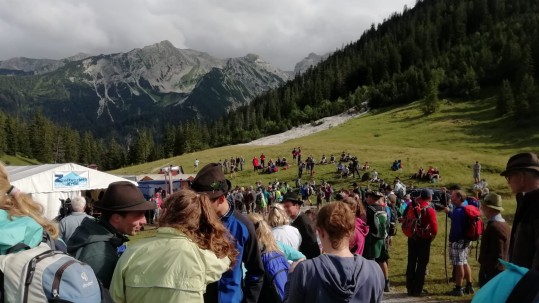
217	243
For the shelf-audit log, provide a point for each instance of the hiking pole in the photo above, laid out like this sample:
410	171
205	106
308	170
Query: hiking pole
445	250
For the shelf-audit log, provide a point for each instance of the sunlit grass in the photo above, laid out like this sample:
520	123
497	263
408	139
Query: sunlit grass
17	160
451	139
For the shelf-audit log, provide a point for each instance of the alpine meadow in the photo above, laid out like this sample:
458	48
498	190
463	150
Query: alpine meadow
442	84
438	50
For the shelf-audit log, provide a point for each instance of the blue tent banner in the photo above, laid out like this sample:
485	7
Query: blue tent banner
71	179
148	187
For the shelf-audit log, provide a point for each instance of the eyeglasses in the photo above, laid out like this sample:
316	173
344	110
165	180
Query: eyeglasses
508	177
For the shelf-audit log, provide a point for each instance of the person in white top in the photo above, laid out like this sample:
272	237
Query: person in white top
281	230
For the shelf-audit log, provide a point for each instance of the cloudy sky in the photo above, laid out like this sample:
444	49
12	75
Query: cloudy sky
281	31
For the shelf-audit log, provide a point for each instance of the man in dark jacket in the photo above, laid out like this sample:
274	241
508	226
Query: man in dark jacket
292	205
96	243
495	239
232	287
522	174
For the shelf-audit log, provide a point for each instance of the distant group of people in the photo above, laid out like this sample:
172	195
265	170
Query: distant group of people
230	166
206	250
431	175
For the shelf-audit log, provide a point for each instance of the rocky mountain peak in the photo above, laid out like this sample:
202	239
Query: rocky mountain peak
311	60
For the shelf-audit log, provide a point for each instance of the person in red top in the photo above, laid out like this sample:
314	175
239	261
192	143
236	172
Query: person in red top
419	244
255	163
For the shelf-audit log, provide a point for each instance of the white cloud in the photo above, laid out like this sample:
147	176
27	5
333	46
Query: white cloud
281	31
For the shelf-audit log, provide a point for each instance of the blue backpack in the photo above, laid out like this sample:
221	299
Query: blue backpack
275	277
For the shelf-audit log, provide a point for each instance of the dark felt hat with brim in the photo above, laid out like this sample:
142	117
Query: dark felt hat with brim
522	161
374	193
123	196
293	196
211	181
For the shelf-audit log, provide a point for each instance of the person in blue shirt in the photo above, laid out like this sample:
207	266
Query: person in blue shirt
459	246
232	287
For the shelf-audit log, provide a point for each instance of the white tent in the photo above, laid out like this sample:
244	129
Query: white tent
48	183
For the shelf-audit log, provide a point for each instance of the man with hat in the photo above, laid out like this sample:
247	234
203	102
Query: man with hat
232	287
292	205
376	242
356	190
96	243
495	239
522	175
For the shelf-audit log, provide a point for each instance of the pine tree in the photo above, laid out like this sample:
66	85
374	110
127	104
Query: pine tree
71	144
41	138
431	102
168	140
23	139
506	100
525	96
85	149
11	137
179	141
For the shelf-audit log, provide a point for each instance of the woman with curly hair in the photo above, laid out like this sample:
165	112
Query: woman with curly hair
191	249
338	275
16	205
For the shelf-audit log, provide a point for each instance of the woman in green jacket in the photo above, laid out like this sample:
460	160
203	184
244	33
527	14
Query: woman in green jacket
190	250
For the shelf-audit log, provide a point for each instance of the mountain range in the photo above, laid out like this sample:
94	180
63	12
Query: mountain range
142	87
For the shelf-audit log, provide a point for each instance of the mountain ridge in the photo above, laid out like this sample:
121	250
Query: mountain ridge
158	78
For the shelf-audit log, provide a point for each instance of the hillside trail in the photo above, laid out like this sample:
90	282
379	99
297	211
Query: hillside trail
306	129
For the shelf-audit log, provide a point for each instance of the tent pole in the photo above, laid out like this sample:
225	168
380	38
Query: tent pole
170	179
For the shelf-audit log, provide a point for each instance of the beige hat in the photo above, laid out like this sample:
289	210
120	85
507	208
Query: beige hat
493	201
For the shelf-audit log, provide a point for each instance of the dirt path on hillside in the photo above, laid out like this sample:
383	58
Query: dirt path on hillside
306	129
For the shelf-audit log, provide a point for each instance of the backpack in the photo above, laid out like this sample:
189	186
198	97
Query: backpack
474	224
473	201
411	222
365	177
42	274
381	223
275	277
392	213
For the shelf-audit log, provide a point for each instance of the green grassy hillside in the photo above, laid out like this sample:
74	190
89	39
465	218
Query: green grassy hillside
451	139
17	160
